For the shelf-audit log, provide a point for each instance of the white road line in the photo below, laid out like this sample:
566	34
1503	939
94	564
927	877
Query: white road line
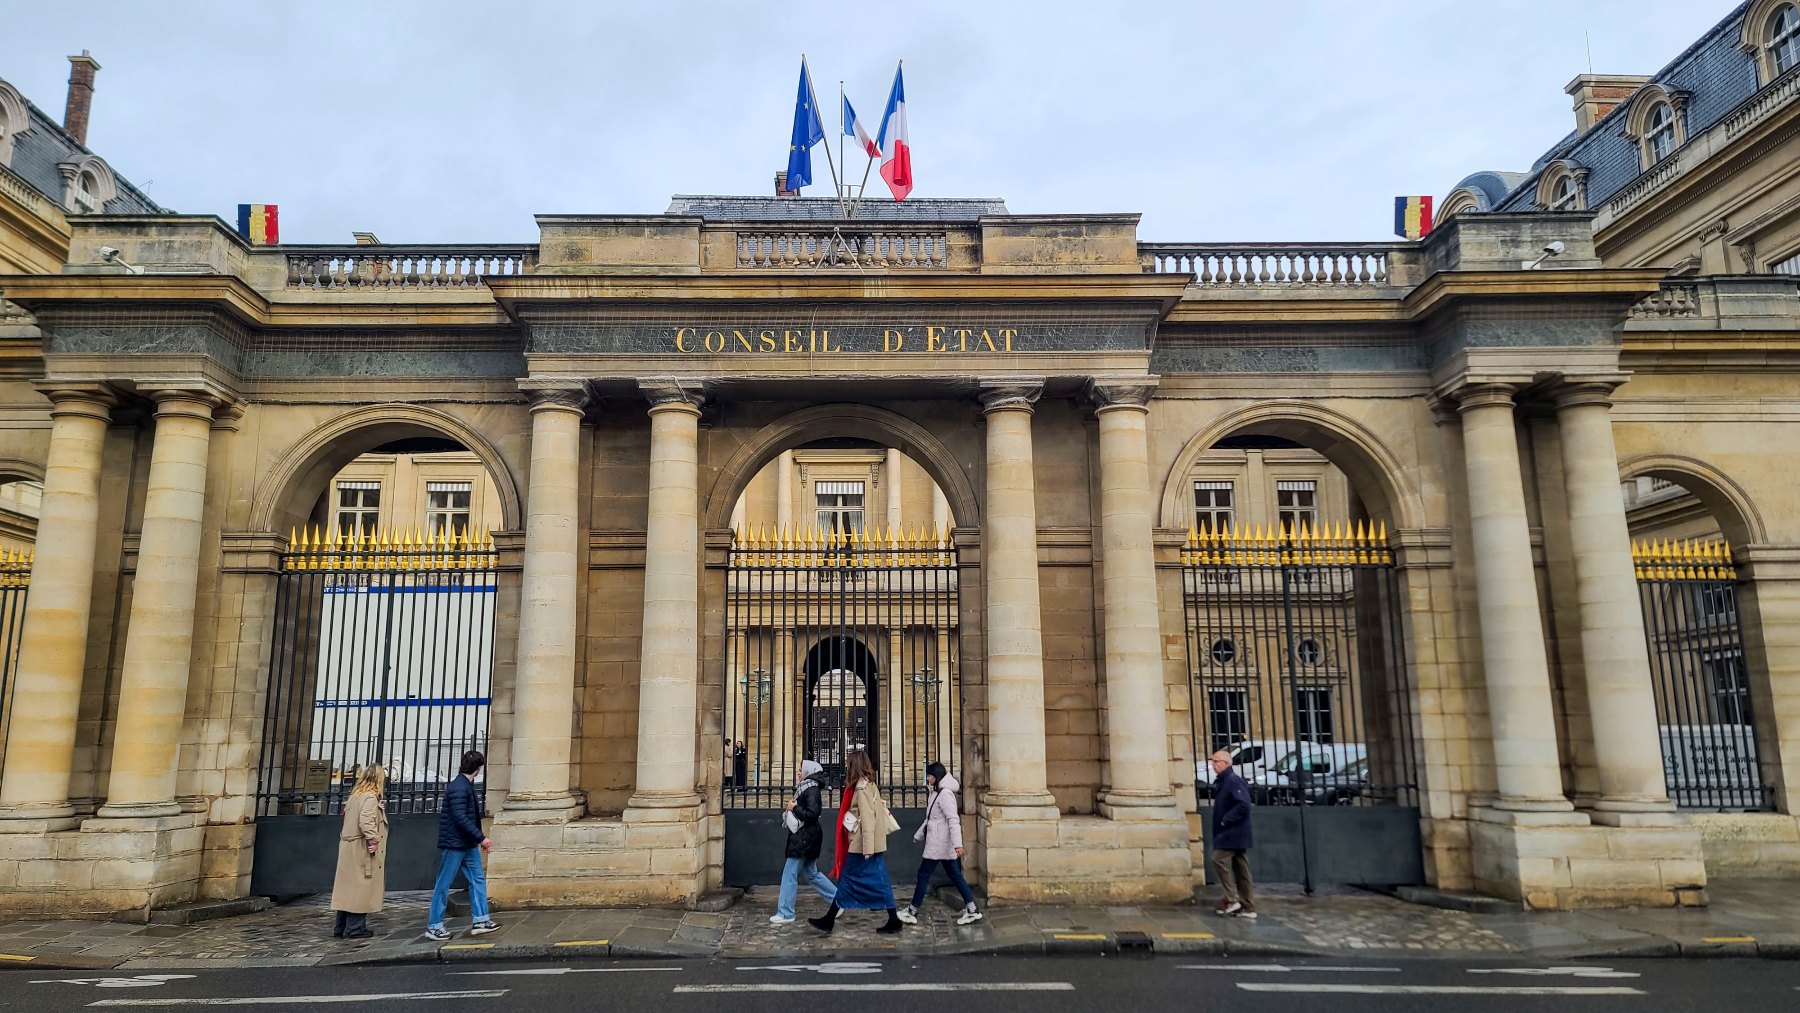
1285	968
896	986
1324	987
571	970
270	1000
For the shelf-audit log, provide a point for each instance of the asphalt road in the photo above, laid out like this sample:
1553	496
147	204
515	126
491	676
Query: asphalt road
966	985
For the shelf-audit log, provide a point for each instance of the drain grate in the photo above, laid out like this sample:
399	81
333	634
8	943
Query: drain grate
1133	942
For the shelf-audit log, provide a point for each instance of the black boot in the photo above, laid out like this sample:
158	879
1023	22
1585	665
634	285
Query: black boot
893	925
826	923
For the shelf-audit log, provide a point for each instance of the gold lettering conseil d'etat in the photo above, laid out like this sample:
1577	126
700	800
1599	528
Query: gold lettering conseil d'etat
819	341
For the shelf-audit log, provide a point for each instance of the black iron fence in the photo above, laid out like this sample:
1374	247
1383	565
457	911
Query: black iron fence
1705	701
15	581
383	653
839	641
1296	646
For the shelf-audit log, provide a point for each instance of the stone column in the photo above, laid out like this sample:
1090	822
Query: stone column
1137	738
1512	633
785	698
54	631
544	681
668	687
160	638
1017	774
784	491
891	475
1615	657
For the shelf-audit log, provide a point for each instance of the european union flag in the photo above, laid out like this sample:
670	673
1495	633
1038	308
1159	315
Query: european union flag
808	131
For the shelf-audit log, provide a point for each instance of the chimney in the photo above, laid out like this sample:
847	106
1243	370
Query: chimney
81	95
781	189
1596	95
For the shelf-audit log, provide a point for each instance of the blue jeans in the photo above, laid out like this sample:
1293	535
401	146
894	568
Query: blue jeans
951	865
468	862
790	884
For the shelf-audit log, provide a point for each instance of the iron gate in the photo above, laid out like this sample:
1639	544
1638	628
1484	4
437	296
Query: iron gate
383	653
1704	708
1296	645
15	581
835	641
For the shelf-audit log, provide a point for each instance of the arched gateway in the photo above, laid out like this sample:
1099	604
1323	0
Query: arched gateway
1019	494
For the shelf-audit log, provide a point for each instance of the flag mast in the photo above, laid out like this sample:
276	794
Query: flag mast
813	94
843	128
870	164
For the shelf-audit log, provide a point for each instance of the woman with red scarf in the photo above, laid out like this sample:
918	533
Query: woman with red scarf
861	868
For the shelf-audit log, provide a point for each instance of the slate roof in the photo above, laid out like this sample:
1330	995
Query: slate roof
1490	187
933	210
37	152
1718	77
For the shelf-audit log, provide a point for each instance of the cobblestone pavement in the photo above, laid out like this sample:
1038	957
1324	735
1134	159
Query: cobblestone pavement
1745	919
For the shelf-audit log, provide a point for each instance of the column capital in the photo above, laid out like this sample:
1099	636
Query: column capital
1485	395
1578	393
1011	393
92	399
173	401
555	393
687	393
1109	392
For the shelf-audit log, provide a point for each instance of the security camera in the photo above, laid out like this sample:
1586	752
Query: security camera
1551	249
111	256
108	253
1554	248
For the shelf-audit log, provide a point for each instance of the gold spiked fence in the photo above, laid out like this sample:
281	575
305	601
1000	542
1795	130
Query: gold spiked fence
869	549
1683	559
1334	543
388	550
15	567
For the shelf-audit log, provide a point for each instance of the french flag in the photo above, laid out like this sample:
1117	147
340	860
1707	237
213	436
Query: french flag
853	128
896	164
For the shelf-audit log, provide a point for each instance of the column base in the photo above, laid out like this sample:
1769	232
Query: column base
137	810
651	855
1571	864
38	818
1619	804
1035	855
119	868
1138	807
547	807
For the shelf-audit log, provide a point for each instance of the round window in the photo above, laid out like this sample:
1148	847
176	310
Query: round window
1224	652
1309	651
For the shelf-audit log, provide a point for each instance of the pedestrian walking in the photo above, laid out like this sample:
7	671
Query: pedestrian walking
1231	838
804	843
361	880
460	847
861	869
942	834
740	765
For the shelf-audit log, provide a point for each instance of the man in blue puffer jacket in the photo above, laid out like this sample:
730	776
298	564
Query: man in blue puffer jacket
1231	838
460	847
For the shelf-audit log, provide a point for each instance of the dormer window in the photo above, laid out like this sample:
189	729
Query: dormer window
1562	187
1562	196
1659	133
1783	39
1656	123
87	186
13	121
1770	33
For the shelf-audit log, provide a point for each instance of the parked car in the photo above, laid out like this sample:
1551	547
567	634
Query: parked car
1251	757
1341	787
1308	771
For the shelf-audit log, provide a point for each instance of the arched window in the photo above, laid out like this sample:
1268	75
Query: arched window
1659	132
1561	187
1783	38
13	120
1562	195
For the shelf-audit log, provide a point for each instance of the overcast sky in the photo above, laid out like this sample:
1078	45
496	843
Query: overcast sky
457	120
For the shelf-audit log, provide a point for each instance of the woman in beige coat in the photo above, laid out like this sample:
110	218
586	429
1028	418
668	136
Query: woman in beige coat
864	824
362	856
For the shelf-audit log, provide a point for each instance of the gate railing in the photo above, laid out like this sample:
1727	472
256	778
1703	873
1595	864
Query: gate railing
837	641
1705	701
15	581
1296	646
383	653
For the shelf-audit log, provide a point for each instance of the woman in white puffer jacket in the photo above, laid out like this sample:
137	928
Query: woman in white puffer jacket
942	834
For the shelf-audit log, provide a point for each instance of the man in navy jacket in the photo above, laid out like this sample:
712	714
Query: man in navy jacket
1231	838
460	847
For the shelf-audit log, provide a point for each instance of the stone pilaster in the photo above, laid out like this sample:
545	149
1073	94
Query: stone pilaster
1136	735
544	689
159	640
53	643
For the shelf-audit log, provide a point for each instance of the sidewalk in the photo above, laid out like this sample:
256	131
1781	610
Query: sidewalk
1747	918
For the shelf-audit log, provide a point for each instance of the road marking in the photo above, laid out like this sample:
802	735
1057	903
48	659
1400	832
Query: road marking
271	1000
1728	939
835	967
1285	968
570	970
1335	989
1188	935
136	981
1578	971
584	942
897	986
1086	936
15	956
468	946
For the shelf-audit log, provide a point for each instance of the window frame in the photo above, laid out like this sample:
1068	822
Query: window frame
437	518
361	511
833	518
1233	703
1207	516
1283	511
1775	44
1308	712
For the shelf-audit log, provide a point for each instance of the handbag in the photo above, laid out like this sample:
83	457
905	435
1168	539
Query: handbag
892	823
850	823
789	820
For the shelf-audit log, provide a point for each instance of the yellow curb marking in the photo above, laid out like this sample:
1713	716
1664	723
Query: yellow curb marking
468	946
1728	939
585	942
15	956
1187	935
1072	935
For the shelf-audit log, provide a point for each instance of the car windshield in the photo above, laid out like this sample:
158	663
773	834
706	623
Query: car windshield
1292	760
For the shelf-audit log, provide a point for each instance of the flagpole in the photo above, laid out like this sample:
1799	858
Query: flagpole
813	94
842	127
864	188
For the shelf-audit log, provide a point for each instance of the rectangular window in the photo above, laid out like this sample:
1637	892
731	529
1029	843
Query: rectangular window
840	506
1312	715
447	508
1730	687
1715	602
1297	504
358	508
1228	717
1212	507
1789	266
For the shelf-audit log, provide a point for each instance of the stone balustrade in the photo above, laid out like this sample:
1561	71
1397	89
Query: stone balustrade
1288	265
1673	302
386	267
880	249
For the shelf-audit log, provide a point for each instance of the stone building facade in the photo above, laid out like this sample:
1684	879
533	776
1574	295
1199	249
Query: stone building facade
1060	403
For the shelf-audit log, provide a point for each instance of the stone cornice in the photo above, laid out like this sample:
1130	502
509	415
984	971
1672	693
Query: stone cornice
233	295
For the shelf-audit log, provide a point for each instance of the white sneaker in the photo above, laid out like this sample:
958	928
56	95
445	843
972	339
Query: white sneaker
1231	909
969	916
907	915
482	928
778	920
